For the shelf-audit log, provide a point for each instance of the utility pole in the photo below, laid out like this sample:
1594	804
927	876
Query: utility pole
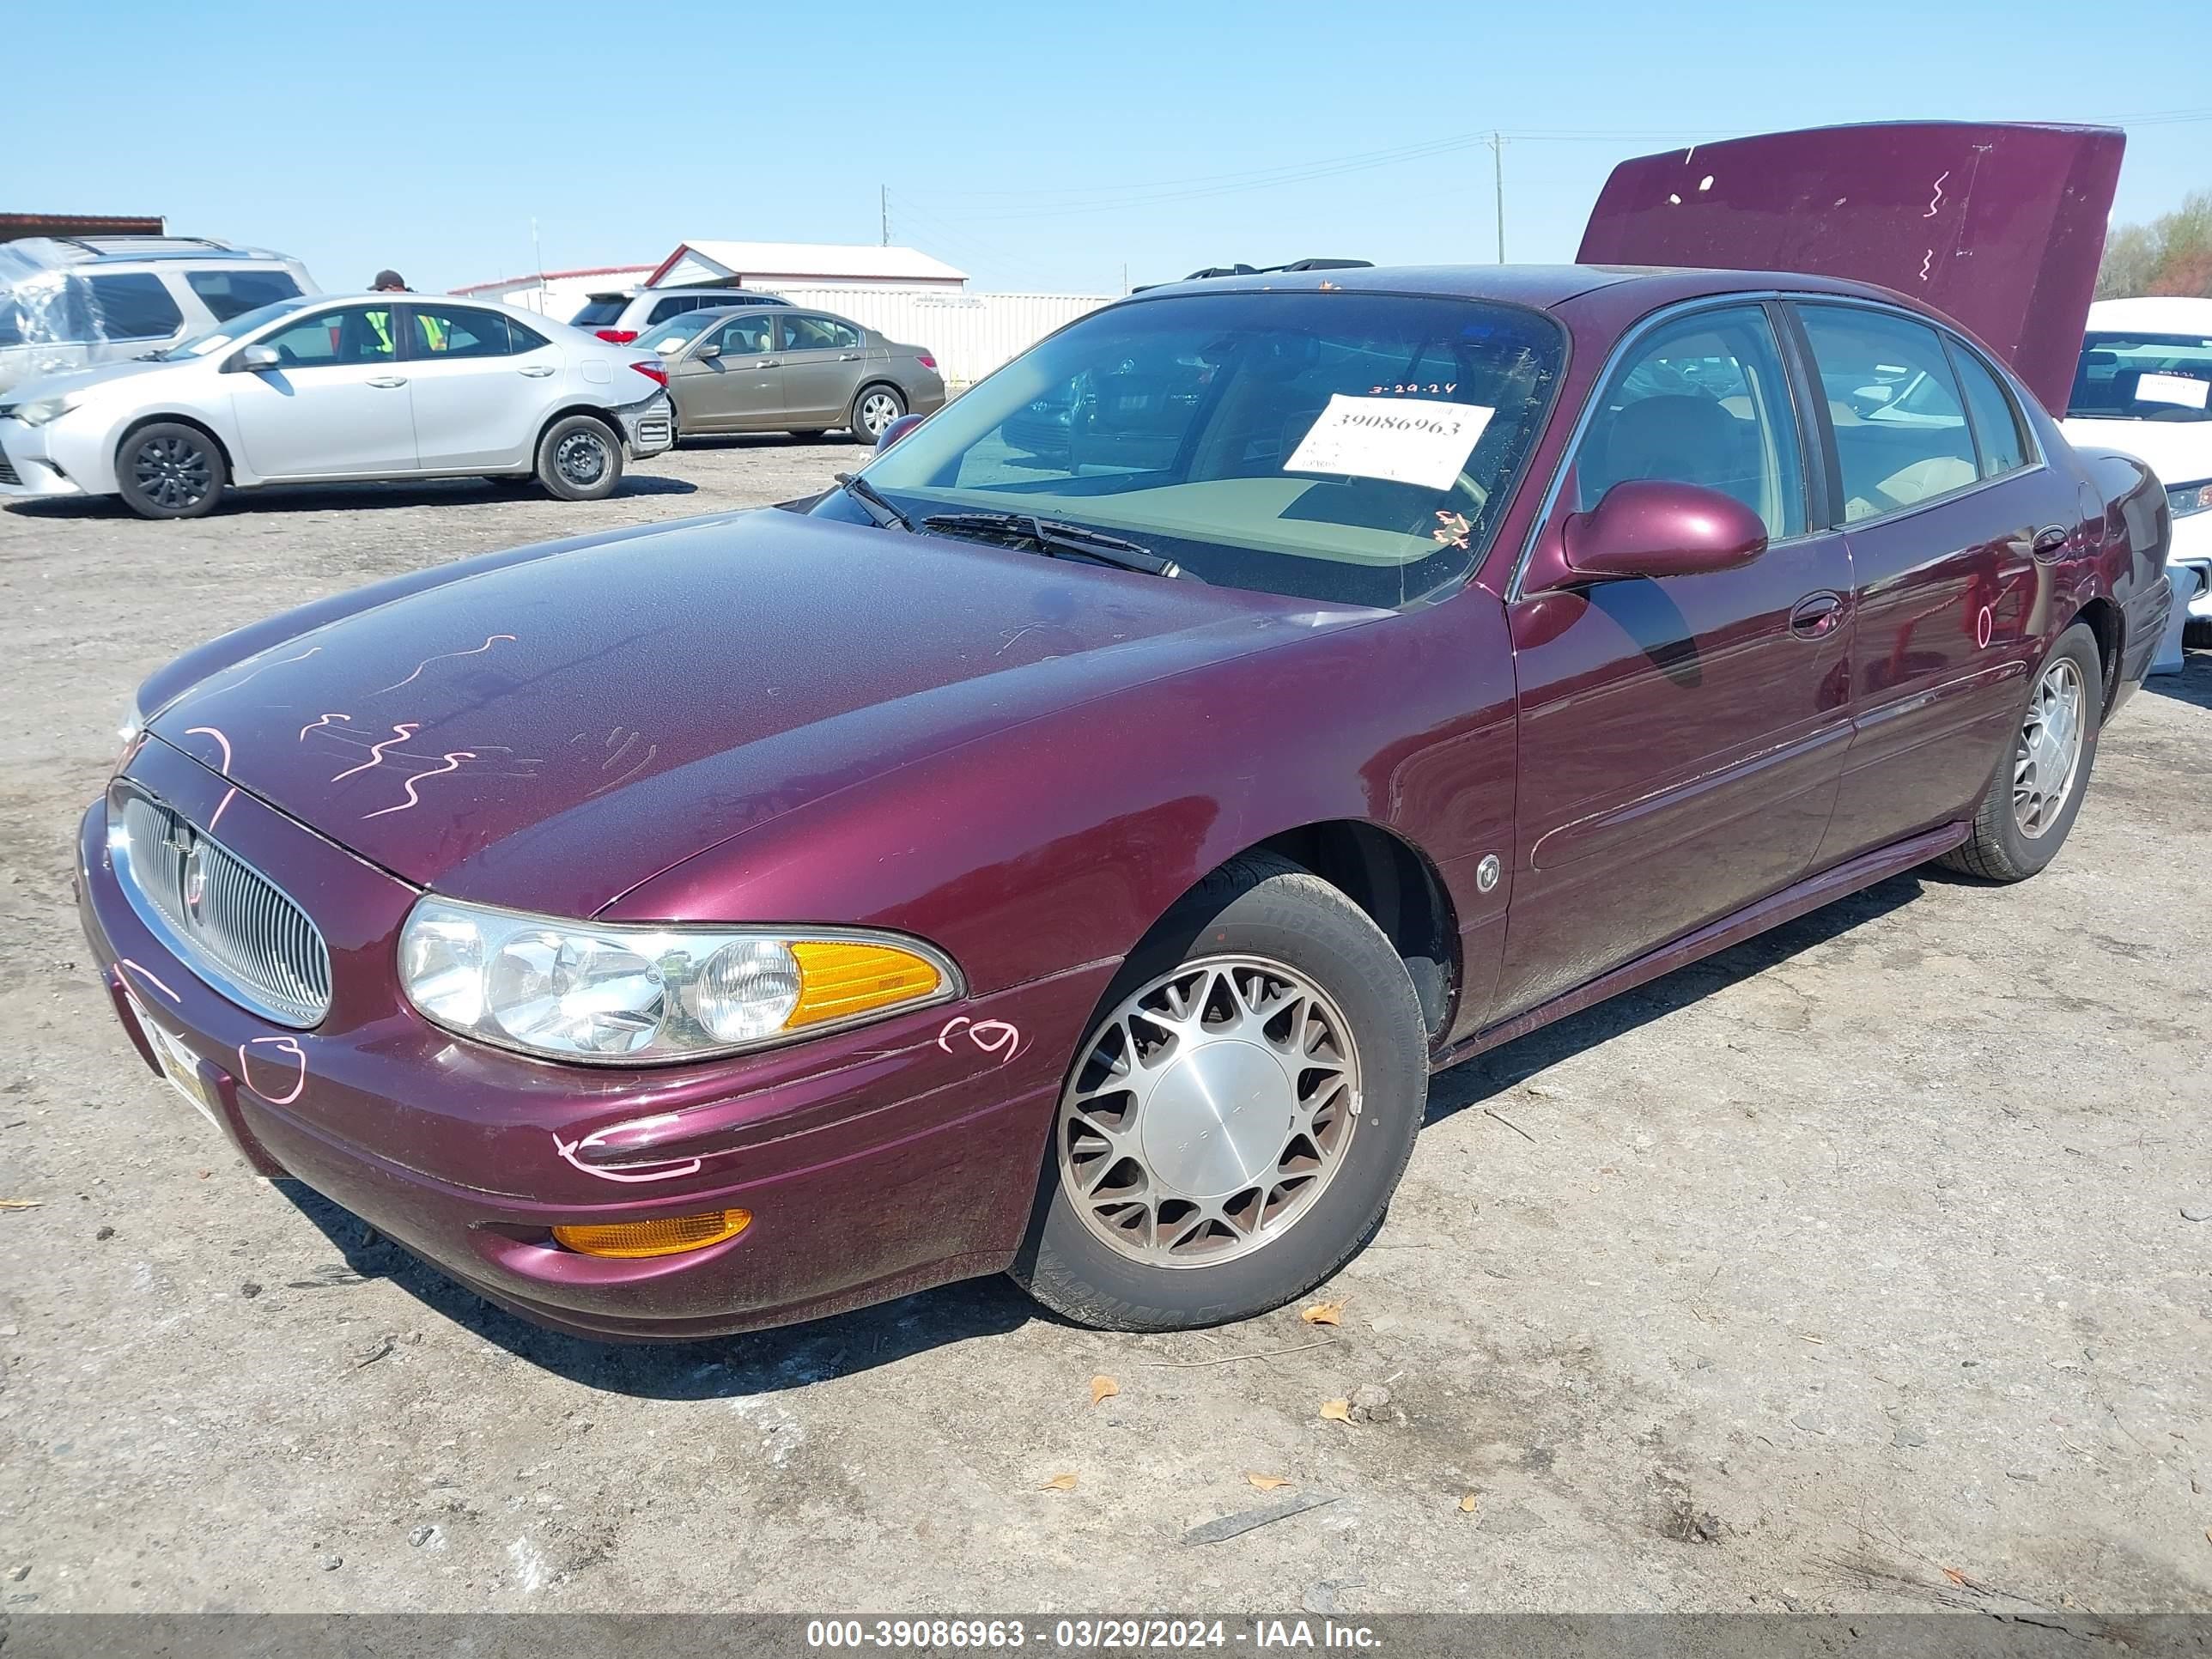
1497	142
886	190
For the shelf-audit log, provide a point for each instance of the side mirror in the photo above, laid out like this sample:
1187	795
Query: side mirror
255	357
1646	527
897	429
707	353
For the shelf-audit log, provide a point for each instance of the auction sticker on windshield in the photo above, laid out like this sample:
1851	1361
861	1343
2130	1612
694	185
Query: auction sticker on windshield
2172	389
1415	441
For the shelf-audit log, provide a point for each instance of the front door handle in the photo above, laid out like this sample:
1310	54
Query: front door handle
2051	539
1815	616
539	373
769	362
387	381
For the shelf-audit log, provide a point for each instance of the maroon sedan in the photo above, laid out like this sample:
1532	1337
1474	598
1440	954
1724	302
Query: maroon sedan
1076	866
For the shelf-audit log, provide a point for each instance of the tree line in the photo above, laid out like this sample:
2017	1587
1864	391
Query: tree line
2172	254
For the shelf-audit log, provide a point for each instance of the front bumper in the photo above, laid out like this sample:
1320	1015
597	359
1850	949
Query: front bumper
875	1162
2192	546
650	427
28	469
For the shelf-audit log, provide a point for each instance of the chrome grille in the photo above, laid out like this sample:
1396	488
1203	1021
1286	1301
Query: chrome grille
225	919
8	470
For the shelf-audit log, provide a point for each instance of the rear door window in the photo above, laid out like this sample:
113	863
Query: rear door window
443	333
132	306
1997	422
231	294
676	305
1900	418
808	333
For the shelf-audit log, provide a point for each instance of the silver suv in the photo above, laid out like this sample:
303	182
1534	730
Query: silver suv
620	316
74	301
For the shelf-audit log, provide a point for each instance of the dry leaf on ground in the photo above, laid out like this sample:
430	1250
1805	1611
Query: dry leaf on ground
1103	1388
1336	1411
1324	1313
1060	1483
21	1203
1268	1482
1468	1504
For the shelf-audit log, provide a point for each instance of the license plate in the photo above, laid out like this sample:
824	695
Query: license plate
180	1066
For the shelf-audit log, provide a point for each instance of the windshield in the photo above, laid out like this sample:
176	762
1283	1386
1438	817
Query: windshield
230	332
2143	377
1351	449
678	332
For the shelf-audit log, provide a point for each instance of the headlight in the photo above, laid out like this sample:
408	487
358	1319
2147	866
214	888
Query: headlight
2186	499
624	994
39	410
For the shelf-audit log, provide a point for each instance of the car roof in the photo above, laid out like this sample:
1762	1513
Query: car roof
2153	313
1545	288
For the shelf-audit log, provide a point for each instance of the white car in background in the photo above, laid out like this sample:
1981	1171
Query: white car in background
2144	387
335	387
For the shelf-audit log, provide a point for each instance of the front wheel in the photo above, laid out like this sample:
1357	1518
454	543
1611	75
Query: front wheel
2037	791
579	460
1238	1114
170	471
876	408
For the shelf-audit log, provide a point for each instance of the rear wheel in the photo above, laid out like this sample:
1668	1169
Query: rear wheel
1238	1114
874	409
170	471
2037	791
579	459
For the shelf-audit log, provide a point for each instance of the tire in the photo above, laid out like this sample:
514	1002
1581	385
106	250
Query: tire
168	469
875	406
2022	821
1288	1209
579	459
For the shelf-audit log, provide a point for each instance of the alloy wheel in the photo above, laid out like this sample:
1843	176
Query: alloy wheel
171	472
1208	1112
877	410
2050	750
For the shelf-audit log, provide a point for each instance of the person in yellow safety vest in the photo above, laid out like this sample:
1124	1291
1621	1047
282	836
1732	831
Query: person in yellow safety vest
390	281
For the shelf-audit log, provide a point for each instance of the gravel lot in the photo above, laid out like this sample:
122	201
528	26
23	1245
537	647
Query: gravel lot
1851	1269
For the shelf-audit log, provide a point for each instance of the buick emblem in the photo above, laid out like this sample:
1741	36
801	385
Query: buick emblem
195	881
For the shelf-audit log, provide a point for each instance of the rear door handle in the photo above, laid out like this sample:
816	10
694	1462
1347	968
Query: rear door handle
1815	616
539	373
849	356
2051	539
387	381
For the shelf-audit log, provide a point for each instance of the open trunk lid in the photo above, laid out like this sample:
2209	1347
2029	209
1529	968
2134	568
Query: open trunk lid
1999	226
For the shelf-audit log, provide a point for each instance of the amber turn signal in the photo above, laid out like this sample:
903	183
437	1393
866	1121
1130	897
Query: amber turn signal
839	978
670	1235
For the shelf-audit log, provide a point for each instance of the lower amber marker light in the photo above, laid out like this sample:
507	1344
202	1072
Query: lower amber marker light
670	1235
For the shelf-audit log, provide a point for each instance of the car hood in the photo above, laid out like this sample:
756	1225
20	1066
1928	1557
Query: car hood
1999	225
549	733
2179	452
77	380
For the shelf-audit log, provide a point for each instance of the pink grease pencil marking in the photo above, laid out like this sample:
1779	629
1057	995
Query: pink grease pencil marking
151	979
402	731
211	731
441	657
452	764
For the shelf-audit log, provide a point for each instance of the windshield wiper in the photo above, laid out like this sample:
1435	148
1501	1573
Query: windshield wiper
869	496
1054	540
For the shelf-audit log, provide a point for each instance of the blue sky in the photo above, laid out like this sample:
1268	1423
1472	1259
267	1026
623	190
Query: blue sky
1034	146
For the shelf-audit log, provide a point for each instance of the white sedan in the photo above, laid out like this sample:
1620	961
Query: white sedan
2144	387
323	388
